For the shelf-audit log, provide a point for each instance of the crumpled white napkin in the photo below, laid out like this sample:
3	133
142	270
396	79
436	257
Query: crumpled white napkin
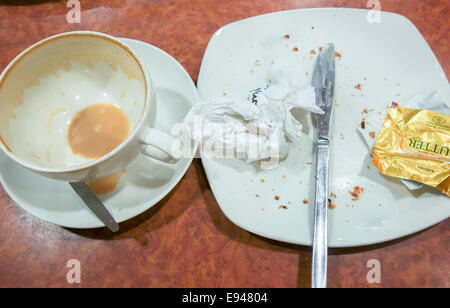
426	99
262	121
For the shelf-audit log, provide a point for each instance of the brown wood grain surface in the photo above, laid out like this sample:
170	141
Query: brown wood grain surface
185	240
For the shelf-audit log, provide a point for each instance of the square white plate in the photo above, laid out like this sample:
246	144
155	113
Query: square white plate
391	61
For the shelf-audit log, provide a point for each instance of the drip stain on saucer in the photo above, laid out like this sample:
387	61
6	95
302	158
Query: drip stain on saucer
97	130
107	184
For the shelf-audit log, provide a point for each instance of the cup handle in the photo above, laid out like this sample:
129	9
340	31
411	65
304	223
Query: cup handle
161	146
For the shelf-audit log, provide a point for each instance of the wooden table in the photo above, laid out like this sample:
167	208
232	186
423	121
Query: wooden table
185	240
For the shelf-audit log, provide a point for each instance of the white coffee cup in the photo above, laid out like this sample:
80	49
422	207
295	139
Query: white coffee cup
45	85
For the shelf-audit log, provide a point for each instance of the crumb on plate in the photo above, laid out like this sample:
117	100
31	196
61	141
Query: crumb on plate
331	206
356	193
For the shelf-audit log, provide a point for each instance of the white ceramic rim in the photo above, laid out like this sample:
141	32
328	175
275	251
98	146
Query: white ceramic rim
132	135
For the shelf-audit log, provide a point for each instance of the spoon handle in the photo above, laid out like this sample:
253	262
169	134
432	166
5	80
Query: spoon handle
95	204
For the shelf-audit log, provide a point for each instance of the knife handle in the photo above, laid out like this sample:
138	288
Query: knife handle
320	244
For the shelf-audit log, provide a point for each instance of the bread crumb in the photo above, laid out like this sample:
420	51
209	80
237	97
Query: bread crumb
331	206
356	193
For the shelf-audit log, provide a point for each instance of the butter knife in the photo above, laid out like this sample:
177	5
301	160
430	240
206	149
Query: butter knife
323	80
95	204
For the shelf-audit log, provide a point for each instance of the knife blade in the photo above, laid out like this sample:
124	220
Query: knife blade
323	81
95	204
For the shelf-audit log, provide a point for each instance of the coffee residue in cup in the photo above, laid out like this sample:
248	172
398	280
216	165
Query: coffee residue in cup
97	130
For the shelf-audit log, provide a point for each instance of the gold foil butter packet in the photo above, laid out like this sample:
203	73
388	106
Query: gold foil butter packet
414	144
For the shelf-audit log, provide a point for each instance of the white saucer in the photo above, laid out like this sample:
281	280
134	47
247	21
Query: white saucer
386	58
138	189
